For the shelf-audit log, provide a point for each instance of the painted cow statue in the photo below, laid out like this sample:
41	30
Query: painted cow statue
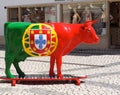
24	39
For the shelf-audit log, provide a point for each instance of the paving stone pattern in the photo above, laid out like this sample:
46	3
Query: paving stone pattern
101	66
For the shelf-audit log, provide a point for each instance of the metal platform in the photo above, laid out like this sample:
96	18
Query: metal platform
44	79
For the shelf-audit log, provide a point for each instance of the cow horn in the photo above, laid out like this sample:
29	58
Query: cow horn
91	22
94	21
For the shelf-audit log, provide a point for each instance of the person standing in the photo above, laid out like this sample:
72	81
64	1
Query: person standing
76	17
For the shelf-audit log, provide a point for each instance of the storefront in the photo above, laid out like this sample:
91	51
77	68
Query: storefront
74	11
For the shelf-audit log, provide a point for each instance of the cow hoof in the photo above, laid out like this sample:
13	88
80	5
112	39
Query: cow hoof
52	75
9	75
60	76
22	75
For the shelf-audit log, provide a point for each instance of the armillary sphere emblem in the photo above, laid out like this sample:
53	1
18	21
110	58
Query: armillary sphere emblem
39	40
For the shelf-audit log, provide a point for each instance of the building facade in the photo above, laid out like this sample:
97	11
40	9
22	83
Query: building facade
68	11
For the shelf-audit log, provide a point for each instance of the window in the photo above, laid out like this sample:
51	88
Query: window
13	14
33	14
82	12
38	14
50	14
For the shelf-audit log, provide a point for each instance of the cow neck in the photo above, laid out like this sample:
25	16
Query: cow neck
76	40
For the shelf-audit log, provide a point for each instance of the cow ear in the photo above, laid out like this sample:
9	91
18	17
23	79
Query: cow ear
94	21
87	23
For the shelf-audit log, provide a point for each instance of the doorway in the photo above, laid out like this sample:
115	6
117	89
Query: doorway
115	24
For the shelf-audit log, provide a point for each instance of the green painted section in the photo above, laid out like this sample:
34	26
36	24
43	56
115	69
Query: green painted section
14	52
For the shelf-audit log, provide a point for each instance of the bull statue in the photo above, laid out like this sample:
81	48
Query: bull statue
24	39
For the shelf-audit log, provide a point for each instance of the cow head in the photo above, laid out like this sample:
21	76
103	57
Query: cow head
89	32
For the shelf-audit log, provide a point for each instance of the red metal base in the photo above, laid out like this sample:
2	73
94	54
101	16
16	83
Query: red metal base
14	81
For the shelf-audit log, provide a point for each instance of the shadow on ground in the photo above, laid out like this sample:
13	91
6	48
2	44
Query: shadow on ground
89	52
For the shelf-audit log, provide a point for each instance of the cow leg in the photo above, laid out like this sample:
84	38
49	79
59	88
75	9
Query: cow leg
59	64
52	63
7	70
19	71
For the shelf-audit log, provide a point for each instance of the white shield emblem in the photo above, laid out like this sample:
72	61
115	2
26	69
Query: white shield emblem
40	41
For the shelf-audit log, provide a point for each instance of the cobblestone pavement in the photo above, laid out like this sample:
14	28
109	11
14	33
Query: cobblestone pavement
102	68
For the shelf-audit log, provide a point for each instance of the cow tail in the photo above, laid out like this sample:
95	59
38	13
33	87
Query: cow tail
5	27
6	33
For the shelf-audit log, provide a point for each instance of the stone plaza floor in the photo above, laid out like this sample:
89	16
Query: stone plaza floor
101	66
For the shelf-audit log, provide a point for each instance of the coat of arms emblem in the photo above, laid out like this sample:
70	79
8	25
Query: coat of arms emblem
39	40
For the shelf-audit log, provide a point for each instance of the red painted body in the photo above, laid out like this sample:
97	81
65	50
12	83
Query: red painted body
70	36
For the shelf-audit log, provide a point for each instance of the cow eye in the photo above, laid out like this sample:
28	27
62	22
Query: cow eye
83	28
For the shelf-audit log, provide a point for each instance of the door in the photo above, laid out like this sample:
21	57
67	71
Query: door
115	24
